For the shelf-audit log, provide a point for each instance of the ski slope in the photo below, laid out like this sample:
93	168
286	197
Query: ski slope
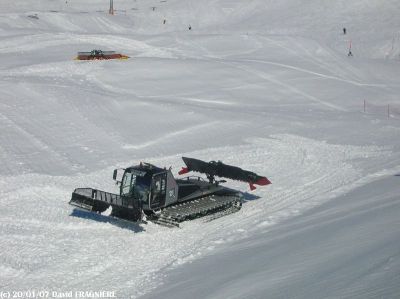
328	261
264	86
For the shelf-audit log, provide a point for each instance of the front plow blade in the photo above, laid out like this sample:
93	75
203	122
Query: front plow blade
86	199
98	201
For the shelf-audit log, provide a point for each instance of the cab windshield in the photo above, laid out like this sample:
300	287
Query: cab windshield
134	185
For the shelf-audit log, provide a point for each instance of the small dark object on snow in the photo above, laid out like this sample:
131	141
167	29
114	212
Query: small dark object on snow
344	30
190	27
100	55
350	54
154	191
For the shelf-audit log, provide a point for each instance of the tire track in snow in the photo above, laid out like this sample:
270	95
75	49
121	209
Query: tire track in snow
107	26
188	130
337	63
314	73
314	58
295	90
11	146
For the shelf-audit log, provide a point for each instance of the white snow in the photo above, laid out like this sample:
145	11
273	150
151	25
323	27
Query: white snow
343	249
263	85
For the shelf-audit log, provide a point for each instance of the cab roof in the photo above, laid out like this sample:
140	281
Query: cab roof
146	168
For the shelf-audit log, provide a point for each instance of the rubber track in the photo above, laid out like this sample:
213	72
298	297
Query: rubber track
209	205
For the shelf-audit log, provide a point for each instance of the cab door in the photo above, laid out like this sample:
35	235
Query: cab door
158	191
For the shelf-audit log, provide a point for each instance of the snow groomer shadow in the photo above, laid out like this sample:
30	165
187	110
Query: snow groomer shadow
249	196
153	193
132	226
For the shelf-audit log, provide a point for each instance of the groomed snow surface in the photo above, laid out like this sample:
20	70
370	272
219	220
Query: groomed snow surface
264	85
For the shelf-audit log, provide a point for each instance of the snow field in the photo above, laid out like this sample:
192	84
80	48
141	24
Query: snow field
85	251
